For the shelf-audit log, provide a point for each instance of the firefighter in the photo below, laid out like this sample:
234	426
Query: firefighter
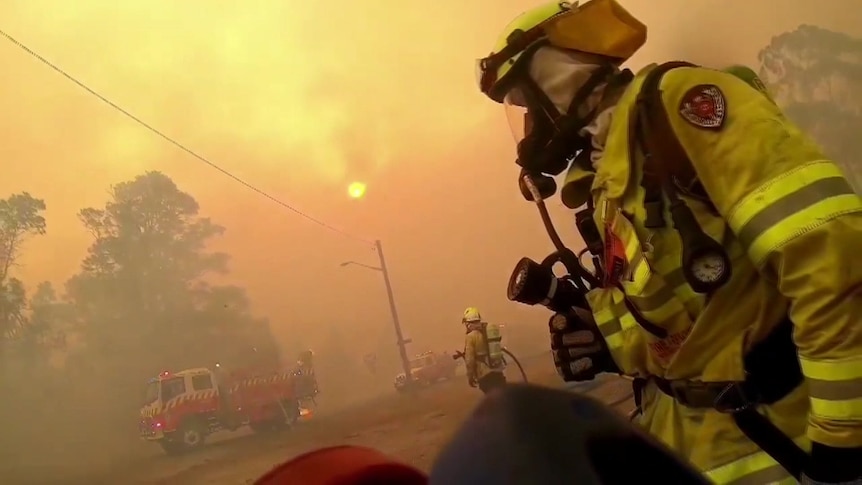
305	372
483	352
728	282
305	360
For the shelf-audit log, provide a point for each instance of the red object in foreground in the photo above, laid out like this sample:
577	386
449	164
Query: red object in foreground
343	465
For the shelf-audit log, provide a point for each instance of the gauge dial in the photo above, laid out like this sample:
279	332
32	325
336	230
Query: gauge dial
709	268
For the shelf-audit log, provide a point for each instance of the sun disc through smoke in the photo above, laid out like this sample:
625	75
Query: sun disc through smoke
356	190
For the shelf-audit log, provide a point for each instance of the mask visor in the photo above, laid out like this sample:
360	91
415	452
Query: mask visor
519	117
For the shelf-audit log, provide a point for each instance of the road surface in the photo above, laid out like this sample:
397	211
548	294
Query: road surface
411	428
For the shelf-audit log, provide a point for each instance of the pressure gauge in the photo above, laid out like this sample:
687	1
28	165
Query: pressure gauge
708	271
705	263
709	268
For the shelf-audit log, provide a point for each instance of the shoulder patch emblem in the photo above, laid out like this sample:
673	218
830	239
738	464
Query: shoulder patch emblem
704	106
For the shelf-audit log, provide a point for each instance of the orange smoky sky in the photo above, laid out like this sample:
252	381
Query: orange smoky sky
301	98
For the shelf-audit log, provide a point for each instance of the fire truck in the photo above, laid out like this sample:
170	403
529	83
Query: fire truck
183	408
426	369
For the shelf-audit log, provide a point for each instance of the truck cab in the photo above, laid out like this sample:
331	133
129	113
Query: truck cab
169	392
167	386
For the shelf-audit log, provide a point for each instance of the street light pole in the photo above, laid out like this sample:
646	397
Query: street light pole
402	345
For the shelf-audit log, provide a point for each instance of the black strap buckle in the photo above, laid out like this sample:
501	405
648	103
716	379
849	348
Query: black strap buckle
735	398
724	397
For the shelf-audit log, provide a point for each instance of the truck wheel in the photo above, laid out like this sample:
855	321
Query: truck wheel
291	409
192	436
261	427
171	447
189	437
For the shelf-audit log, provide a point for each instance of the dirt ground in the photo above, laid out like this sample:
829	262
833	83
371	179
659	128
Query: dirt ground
409	427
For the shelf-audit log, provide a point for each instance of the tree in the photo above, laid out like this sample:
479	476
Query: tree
29	354
141	290
814	73
21	351
224	325
48	317
20	218
13	304
139	305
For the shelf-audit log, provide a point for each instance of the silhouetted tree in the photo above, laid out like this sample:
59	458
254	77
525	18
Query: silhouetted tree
49	318
20	218
815	74
141	291
27	332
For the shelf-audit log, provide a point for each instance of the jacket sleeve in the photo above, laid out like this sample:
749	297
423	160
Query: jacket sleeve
470	354
801	224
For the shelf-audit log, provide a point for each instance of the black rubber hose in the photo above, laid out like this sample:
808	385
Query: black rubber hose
517	362
460	355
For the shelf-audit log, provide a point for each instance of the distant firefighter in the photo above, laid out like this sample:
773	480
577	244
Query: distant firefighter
483	352
307	382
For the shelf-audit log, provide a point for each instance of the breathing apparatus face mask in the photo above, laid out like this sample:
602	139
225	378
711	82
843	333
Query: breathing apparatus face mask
547	111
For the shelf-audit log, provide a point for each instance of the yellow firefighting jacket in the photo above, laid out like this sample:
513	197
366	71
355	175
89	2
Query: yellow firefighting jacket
792	227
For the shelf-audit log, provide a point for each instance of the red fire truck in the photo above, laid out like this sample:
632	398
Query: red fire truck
183	408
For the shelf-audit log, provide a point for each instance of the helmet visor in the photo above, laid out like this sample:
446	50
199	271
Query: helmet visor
518	115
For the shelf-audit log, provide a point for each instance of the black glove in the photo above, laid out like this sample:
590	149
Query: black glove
833	466
580	351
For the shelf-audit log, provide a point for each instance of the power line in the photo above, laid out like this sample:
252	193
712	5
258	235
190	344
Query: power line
177	144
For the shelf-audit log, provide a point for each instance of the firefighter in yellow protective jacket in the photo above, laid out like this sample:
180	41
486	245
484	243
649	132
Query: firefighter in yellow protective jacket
729	284
483	355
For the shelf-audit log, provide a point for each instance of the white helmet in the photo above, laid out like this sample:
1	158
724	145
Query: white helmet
471	315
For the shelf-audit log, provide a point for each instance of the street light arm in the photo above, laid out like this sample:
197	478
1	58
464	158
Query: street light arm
368	266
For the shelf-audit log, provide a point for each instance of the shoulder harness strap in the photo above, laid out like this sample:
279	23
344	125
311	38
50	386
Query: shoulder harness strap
666	164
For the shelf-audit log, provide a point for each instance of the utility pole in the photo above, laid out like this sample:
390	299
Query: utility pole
402	344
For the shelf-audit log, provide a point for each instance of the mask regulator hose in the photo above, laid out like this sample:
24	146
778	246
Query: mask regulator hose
533	283
580	277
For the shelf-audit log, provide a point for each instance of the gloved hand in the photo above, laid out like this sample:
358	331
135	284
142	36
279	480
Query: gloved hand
580	351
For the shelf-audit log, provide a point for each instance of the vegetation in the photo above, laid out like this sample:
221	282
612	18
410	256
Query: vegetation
815	74
140	304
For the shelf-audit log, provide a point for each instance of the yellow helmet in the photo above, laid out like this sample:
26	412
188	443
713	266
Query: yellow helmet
471	315
600	27
522	33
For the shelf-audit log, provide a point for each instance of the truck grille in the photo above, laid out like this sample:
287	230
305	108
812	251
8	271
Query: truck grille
146	428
